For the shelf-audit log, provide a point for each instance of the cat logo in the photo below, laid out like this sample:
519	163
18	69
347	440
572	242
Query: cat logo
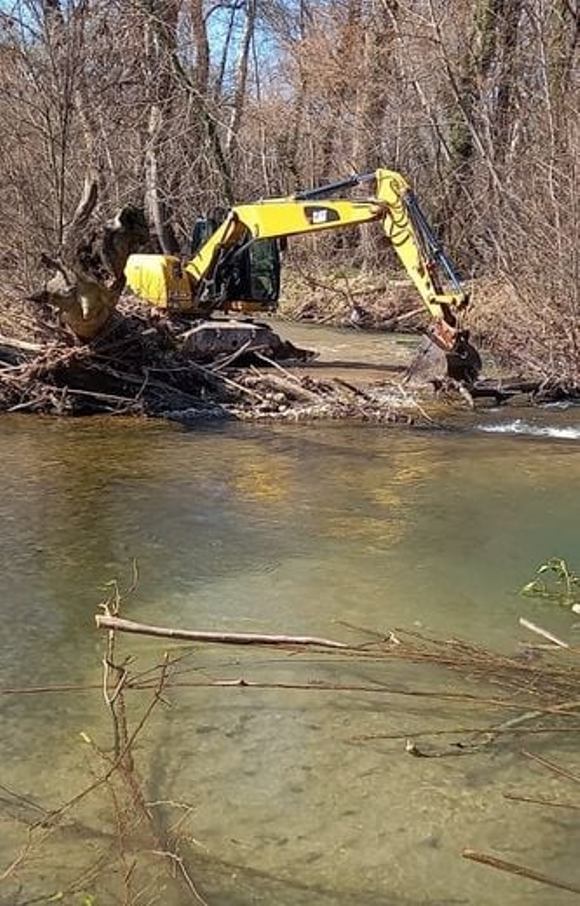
316	215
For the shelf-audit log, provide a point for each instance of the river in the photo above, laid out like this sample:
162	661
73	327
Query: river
296	529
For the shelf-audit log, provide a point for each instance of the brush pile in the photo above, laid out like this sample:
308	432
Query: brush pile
143	364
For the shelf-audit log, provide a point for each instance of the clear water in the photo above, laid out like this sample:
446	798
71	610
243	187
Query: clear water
288	529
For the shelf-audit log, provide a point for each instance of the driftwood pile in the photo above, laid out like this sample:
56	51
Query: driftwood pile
145	364
142	364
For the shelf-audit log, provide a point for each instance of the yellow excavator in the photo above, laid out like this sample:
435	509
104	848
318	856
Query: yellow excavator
235	264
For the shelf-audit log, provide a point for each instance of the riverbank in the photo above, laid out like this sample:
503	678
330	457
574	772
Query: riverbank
528	333
145	364
353	299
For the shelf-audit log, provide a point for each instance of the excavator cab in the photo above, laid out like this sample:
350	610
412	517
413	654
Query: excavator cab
247	276
203	229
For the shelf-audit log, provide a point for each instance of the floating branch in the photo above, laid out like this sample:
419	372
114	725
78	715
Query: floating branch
539	630
222	638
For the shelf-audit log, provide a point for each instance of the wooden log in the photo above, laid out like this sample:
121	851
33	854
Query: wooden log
288	388
24	345
104	621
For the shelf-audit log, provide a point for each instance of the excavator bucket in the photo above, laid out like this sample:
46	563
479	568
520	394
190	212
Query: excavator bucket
459	361
463	360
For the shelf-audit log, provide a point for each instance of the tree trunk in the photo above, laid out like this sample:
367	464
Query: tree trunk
88	275
201	42
156	208
160	44
380	39
502	127
241	77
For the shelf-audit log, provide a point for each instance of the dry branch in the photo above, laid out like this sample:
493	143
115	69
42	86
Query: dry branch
221	638
533	627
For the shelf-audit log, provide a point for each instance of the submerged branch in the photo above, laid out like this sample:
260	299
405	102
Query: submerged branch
513	797
539	630
553	767
515	869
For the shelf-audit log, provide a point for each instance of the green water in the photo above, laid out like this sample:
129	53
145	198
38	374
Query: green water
291	529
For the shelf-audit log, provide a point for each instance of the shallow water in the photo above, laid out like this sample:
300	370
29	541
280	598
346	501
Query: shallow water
355	354
294	529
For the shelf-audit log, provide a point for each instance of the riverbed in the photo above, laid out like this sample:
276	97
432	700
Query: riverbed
298	529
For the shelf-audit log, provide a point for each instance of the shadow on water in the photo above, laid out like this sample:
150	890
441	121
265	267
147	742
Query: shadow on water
330	364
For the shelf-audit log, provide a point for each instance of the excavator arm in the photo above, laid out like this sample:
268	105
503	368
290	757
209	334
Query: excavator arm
203	284
274	219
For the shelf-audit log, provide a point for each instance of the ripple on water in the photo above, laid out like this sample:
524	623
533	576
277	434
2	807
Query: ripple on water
519	426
